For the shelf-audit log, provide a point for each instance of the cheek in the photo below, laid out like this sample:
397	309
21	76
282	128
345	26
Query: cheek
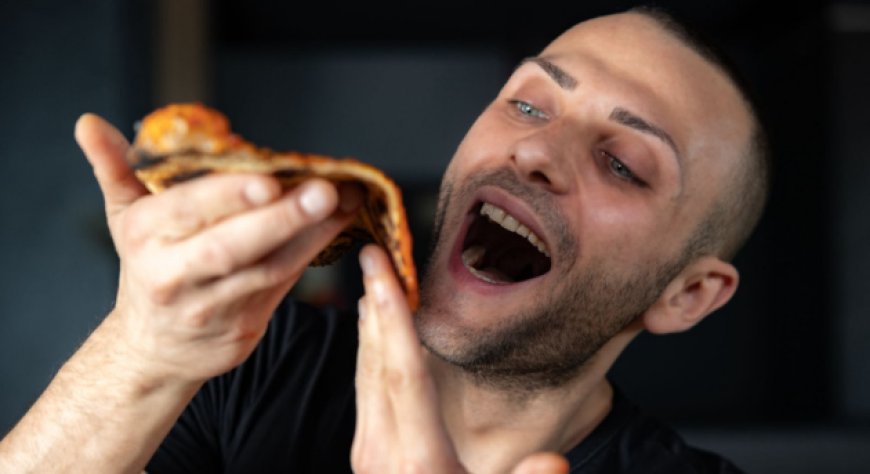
618	233
628	239
484	144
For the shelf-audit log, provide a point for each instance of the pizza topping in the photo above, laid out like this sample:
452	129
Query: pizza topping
500	250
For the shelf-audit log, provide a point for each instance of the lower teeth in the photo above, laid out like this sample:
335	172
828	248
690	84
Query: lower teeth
490	275
472	256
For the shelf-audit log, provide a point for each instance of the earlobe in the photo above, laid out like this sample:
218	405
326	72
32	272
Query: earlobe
702	287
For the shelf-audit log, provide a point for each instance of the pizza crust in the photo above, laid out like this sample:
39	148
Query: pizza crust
181	142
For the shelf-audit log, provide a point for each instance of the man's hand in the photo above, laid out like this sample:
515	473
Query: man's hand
399	426
204	263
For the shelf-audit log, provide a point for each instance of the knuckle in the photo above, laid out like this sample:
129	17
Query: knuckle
185	218
179	211
271	279
271	275
265	276
290	217
199	316
404	379
412	466
246	329
215	254
163	288
160	275
367	378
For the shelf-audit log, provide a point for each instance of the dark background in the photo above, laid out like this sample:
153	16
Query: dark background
777	380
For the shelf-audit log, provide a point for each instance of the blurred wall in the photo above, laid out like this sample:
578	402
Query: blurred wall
60	59
403	110
850	210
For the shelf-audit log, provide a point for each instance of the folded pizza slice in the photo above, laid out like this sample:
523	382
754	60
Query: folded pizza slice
181	142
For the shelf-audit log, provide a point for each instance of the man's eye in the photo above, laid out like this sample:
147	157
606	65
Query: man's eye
620	170
528	109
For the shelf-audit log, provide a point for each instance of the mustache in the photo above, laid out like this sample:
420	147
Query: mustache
540	200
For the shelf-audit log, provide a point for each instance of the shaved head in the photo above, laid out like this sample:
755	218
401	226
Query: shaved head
735	214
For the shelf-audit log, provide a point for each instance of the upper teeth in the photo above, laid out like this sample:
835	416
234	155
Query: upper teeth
509	222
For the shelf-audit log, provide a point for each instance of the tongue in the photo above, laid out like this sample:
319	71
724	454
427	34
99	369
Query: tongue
472	257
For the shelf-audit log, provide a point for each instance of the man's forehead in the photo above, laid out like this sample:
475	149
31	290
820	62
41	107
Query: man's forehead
637	49
618	24
624	37
642	46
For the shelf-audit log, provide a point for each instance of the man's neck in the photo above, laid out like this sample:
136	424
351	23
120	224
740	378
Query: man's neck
493	430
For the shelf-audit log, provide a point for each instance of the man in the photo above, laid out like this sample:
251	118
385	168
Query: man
600	194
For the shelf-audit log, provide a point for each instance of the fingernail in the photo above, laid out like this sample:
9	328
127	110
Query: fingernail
314	201
258	193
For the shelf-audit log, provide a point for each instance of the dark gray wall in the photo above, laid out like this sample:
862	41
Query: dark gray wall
59	59
401	109
850	210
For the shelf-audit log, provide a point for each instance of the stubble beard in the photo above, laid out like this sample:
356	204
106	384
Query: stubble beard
550	341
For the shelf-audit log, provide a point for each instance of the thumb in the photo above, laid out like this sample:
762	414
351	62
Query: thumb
542	463
105	148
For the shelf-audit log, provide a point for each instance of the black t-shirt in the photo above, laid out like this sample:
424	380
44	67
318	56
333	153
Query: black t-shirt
291	408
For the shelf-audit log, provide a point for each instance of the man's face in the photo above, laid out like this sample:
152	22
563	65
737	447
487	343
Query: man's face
566	208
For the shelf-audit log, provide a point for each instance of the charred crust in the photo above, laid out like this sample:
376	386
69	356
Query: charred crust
287	173
142	160
340	246
184	176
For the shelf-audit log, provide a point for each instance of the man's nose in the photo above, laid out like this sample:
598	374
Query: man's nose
540	161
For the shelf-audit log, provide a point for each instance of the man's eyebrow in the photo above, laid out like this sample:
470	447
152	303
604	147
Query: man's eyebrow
565	80
624	117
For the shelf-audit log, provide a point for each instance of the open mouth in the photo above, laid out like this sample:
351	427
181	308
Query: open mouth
499	249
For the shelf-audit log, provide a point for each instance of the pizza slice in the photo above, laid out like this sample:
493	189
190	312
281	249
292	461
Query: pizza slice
181	142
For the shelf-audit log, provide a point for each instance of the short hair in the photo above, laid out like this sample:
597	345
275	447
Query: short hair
734	214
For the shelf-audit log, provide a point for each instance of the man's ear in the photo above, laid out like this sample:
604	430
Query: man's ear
701	288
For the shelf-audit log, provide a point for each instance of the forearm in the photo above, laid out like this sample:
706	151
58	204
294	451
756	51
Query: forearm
105	411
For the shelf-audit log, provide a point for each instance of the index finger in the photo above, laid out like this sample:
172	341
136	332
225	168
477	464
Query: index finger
407	381
189	207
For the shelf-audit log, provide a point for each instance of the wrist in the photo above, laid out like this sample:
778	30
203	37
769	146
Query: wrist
136	366
109	405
